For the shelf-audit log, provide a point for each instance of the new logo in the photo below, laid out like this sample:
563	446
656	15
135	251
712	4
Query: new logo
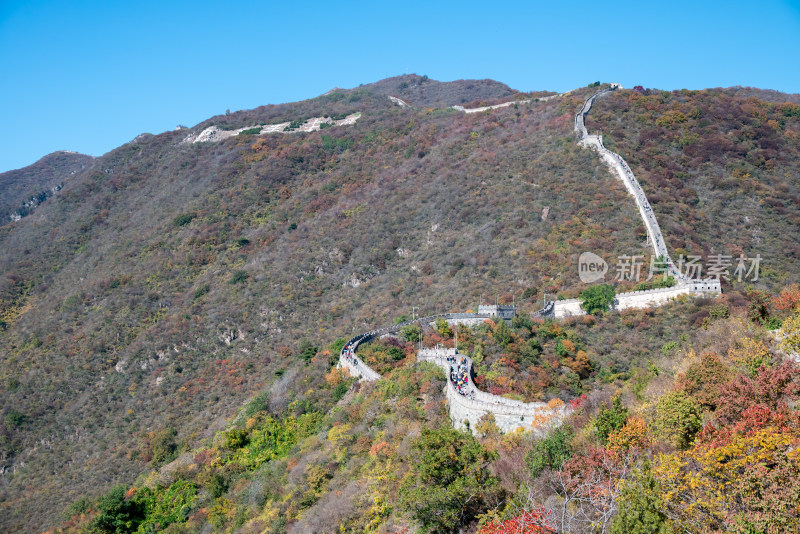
591	267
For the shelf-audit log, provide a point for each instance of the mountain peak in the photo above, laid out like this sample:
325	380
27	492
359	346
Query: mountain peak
426	92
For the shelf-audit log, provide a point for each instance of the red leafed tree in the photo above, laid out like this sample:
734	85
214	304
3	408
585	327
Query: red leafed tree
533	522
789	299
773	388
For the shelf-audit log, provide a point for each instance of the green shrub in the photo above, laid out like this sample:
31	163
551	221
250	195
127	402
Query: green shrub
610	418
640	506
669	347
597	298
260	403
81	506
442	328
217	485
338	144
116	513
14	418
340	390
202	290
236	438
165	506
448	484
274	439
239	276
678	418
307	350
550	452
395	354
278	526
251	131
410	332
502	333
183	219
294	125
665	281
718	311
163	446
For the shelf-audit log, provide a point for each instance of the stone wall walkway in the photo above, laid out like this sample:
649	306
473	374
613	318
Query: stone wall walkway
467	403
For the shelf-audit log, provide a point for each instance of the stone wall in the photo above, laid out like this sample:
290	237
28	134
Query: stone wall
567	308
643	299
498	310
356	367
359	369
466	413
468	321
657	297
509	415
621	170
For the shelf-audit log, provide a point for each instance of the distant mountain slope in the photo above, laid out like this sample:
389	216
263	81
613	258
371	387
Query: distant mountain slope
417	90
424	92
22	189
720	167
767	95
165	286
177	282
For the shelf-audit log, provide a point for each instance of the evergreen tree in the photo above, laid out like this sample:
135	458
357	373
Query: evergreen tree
449	483
597	298
640	506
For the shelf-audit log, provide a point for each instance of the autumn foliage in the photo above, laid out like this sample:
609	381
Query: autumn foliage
528	522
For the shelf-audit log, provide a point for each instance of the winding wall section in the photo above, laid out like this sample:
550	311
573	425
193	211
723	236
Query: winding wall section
470	404
350	361
621	169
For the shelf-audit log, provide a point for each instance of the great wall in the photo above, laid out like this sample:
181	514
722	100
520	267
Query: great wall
215	133
467	404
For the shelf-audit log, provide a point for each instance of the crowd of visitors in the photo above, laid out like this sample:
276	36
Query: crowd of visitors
349	353
459	375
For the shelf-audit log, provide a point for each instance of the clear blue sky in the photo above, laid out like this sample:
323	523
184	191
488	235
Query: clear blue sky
90	76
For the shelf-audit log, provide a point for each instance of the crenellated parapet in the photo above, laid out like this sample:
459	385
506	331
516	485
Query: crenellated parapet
467	404
646	298
356	367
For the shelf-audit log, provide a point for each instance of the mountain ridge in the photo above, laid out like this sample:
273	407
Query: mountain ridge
175	281
21	190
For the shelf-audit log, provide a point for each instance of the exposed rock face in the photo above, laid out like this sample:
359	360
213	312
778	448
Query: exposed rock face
21	190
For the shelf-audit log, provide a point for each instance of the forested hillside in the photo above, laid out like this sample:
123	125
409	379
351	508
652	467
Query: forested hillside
22	190
172	283
720	167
